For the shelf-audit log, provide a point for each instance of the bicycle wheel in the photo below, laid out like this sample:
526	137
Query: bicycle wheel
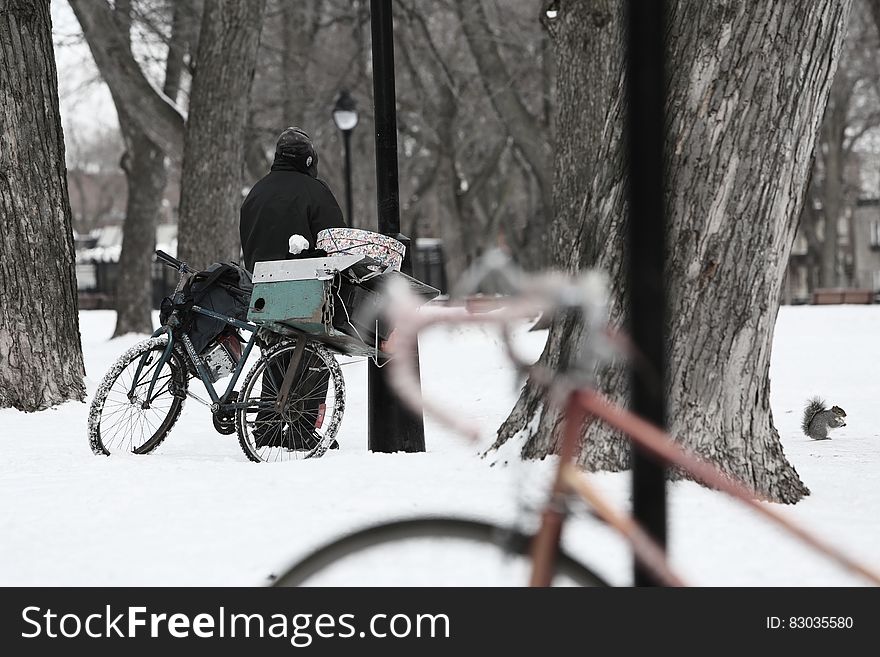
432	551
309	421
118	419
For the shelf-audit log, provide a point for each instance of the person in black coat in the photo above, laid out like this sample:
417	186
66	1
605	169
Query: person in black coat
289	200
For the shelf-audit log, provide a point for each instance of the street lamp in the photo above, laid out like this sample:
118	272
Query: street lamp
345	117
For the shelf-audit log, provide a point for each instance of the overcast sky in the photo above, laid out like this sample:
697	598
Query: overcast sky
86	106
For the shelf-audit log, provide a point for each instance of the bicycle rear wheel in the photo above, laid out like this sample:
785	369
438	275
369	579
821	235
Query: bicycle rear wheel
432	551
308	423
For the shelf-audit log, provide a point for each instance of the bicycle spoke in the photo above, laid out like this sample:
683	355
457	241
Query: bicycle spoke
124	423
291	433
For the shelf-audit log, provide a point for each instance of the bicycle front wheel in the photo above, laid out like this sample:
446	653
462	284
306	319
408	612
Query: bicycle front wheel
431	551
121	417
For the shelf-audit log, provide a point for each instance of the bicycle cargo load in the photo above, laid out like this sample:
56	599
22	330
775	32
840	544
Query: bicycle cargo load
336	299
223	288
384	249
288	405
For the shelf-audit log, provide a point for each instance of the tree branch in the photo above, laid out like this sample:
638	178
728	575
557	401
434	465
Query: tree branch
441	70
486	171
158	118
523	127
874	5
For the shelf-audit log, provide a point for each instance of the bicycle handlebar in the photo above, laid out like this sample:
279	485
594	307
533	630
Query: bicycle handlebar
171	261
530	294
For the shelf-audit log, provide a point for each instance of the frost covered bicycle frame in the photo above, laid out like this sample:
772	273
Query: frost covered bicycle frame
290	405
173	323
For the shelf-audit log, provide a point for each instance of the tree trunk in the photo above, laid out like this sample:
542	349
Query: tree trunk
833	203
256	164
807	225
144	165
528	132
743	111
587	44
146	176
874	6
41	360
833	158
301	21
214	149
181	35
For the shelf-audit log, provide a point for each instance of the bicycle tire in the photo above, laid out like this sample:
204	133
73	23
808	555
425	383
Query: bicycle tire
476	531
316	358
177	383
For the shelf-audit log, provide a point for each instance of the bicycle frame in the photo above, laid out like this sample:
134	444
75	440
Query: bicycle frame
569	480
218	402
657	442
197	360
581	406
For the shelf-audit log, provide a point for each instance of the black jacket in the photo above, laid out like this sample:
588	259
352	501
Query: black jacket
285	202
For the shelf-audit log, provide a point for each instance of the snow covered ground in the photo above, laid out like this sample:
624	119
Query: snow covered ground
197	513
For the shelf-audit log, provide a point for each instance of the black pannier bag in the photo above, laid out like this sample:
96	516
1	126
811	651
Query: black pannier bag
224	287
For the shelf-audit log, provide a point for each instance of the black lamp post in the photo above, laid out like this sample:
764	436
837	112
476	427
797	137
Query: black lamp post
345	117
391	426
645	90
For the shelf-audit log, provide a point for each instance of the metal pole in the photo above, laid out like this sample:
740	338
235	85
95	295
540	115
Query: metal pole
645	89
346	137
391	427
384	99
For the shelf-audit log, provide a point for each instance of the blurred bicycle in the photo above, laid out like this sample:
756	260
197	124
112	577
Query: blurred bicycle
439	548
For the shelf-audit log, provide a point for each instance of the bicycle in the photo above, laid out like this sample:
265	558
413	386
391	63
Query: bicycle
290	405
542	560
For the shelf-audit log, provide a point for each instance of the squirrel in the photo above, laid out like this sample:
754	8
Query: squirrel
818	419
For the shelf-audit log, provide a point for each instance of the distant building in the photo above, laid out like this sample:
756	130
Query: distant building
866	244
797	286
859	256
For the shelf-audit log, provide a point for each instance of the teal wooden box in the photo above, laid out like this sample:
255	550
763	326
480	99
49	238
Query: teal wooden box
297	303
324	297
292	297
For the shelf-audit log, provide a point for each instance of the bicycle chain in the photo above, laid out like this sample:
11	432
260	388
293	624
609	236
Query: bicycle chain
328	307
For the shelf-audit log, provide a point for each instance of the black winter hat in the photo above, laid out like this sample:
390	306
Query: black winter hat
295	146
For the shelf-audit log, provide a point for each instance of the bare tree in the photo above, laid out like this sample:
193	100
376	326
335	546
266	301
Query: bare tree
131	89
874	8
524	127
41	360
108	33
528	128
214	150
144	166
472	90
744	109
301	22
309	51
852	112
462	175
213	134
